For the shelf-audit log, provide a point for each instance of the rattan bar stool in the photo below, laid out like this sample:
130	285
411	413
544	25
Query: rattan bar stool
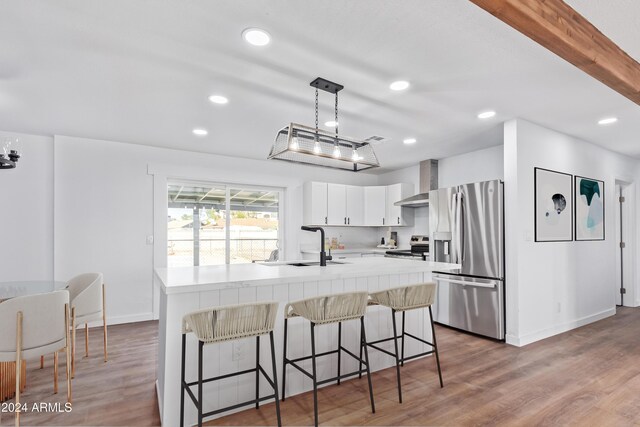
217	324
403	299
325	310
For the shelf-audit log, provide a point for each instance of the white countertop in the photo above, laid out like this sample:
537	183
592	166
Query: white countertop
197	279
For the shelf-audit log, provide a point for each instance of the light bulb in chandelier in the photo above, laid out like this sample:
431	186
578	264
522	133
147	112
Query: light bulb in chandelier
294	145
354	156
316	148
336	151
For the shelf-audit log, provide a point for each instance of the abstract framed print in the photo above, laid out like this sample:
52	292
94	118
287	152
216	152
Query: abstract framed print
589	211
553	206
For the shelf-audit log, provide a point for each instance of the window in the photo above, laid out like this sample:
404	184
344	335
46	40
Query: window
222	224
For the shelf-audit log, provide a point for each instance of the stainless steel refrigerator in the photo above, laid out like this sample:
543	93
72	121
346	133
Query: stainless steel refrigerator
466	224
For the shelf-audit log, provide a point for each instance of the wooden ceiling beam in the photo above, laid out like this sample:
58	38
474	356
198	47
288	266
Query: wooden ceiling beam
556	26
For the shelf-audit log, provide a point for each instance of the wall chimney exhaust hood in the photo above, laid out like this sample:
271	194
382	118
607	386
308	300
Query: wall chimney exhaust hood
428	182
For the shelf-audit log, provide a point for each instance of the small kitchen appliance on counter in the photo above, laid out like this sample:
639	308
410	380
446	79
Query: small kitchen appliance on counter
419	249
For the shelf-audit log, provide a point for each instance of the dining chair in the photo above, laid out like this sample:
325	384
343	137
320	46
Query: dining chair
32	326
87	296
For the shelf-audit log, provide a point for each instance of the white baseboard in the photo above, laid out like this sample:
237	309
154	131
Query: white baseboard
118	320
159	400
558	329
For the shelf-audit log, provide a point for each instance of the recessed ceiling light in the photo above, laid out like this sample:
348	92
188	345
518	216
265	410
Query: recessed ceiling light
409	140
486	114
200	132
399	85
331	123
608	121
218	99
256	37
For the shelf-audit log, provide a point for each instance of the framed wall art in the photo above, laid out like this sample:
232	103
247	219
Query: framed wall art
553	206
589	211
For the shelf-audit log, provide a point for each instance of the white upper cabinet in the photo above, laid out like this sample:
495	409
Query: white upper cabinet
337	204
352	205
375	205
355	205
315	203
396	215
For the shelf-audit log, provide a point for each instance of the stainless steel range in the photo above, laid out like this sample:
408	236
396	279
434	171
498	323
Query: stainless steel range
419	249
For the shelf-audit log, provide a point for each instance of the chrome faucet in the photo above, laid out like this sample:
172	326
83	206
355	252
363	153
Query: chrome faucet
323	255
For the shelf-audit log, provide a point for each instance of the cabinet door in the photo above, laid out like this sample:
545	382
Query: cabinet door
392	216
355	205
397	215
375	200
315	203
337	204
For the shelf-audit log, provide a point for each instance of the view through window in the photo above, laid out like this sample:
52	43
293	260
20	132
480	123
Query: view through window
221	224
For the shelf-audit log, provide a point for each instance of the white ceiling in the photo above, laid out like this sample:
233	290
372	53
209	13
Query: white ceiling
141	71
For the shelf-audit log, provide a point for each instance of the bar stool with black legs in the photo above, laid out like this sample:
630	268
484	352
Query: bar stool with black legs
403	299
325	310
217	324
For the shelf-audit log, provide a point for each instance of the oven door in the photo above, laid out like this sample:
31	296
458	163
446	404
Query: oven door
470	304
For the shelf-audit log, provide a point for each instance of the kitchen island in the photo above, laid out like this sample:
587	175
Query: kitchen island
185	289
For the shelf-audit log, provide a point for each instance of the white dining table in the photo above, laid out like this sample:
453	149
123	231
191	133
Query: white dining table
29	287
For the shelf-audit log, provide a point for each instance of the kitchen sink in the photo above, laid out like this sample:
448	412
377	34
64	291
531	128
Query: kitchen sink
302	263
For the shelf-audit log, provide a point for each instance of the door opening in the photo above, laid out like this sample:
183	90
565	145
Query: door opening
624	292
620	290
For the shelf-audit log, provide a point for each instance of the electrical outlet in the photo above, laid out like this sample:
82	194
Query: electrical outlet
150	239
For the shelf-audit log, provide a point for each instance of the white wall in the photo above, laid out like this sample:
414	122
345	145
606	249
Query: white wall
481	165
26	211
104	209
476	166
554	287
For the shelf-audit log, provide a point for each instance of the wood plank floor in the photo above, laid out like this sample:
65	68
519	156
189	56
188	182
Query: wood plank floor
586	377
589	376
120	392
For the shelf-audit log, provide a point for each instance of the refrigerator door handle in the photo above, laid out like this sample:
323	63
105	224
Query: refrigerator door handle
452	222
461	225
457	228
466	283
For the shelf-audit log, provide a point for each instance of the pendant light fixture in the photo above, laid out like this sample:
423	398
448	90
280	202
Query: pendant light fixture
304	144
9	154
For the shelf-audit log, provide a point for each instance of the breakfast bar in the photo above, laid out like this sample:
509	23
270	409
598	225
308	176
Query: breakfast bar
186	289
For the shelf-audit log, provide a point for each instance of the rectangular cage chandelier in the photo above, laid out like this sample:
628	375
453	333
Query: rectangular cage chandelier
304	144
